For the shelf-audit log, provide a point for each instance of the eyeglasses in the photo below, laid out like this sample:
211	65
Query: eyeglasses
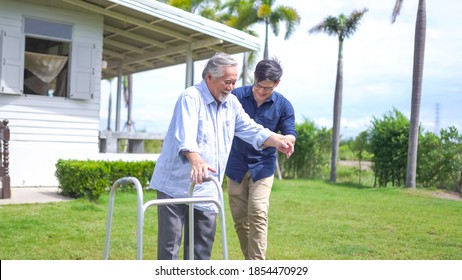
267	89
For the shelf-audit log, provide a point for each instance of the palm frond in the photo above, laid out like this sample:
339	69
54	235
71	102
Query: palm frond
341	26
330	25
291	18
263	11
353	21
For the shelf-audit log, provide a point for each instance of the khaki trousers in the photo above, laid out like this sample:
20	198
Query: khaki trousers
249	203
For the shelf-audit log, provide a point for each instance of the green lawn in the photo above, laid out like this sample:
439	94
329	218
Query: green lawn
309	220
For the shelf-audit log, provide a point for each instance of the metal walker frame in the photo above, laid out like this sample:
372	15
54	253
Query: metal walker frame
142	207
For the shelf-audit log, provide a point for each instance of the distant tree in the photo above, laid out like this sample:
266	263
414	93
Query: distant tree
360	147
417	76
273	16
343	27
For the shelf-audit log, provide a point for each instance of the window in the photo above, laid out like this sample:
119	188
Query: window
46	57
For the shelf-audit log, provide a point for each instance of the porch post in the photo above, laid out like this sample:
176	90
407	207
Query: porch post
119	95
189	68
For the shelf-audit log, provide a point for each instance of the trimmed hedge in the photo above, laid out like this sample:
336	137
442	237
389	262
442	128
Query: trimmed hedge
90	179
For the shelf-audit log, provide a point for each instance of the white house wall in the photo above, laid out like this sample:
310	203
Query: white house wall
45	129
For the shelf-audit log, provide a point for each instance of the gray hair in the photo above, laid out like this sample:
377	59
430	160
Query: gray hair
216	64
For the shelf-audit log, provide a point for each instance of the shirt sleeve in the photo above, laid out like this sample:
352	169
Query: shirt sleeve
185	117
287	121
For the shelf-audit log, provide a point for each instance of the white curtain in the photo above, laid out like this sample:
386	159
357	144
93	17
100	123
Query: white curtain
45	66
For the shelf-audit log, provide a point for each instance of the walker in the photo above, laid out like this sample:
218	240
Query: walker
142	207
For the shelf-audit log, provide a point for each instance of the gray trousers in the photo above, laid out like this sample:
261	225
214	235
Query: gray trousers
172	219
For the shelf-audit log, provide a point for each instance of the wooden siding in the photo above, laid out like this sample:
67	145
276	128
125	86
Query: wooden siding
39	118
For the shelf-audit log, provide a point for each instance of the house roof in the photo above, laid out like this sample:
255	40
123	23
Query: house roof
145	34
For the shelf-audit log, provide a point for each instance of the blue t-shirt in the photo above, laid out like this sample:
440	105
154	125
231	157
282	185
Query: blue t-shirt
277	114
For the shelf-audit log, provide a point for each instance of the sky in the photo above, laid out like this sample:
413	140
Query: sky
378	61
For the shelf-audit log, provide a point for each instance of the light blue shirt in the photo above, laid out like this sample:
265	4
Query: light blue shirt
199	124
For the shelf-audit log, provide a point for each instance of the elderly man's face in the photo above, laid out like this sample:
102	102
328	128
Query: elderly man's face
222	86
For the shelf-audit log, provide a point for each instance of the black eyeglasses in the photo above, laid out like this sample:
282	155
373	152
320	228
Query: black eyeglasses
267	89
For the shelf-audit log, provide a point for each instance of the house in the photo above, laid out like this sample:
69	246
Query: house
54	54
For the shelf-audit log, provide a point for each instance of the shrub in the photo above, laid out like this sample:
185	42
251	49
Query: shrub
82	178
312	151
439	163
388	142
142	170
90	179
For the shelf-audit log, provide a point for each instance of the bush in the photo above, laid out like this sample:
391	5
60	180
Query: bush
142	170
90	179
388	142
439	163
312	151
439	160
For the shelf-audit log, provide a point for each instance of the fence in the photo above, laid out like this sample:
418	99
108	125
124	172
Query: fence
110	141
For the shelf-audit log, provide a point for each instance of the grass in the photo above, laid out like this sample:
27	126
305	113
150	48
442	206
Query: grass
346	221
309	220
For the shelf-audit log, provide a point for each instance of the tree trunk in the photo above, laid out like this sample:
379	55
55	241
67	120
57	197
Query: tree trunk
265	52
245	65
337	113
419	53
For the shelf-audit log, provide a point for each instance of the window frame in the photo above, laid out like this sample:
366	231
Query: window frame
81	62
47	31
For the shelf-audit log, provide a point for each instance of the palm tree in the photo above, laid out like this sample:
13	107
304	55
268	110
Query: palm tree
241	14
343	27
273	16
417	74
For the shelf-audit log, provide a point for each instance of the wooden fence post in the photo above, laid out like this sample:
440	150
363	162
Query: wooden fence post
4	159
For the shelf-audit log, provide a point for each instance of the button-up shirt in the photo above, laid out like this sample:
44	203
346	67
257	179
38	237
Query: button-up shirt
199	124
276	114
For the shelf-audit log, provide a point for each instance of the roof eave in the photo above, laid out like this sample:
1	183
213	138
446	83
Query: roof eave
193	21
